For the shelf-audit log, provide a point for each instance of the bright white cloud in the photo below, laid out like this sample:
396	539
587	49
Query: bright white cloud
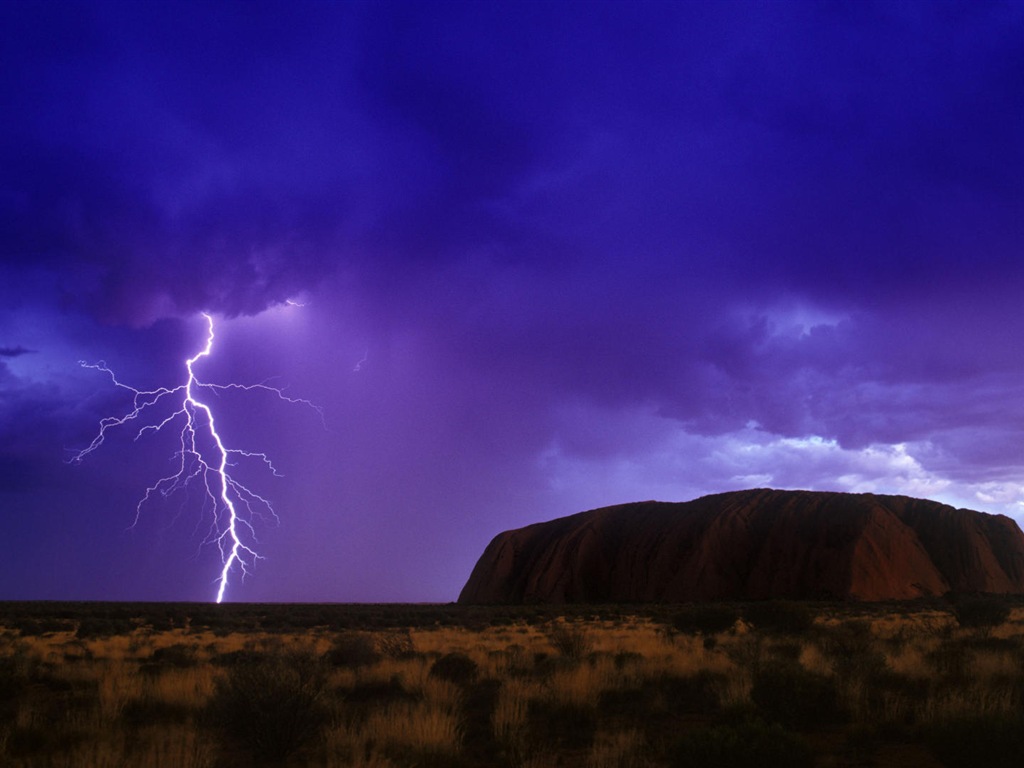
666	462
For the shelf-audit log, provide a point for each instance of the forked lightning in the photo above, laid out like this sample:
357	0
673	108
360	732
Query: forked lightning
202	459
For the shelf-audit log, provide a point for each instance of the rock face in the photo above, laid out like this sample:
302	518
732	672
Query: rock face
751	545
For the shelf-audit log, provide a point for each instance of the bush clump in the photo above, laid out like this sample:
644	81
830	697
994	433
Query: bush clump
795	697
273	705
709	619
396	645
983	613
97	627
571	642
851	649
563	725
352	651
696	693
752	743
178	655
456	668
13	684
994	741
780	617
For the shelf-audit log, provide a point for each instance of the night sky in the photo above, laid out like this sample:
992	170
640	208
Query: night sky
530	258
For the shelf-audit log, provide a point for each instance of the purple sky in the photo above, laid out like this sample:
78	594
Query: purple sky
551	256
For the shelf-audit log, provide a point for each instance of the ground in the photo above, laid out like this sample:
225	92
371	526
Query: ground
906	684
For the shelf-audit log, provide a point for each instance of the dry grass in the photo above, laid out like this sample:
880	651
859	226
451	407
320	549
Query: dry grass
423	727
580	685
618	749
596	693
179	747
510	716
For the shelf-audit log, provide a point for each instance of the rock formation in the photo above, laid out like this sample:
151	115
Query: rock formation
751	545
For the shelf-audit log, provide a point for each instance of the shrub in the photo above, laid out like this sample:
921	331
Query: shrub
853	637
27	627
780	617
982	613
240	658
851	649
103	626
748	651
178	655
741	746
950	659
352	651
13	684
90	628
456	668
160	622
624	659
990	740
618	749
39	739
396	645
893	699
795	697
148	710
708	619
272	706
478	705
571	642
697	693
627	702
784	651
562	725
369	695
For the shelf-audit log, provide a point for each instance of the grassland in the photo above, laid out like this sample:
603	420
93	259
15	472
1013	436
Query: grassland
761	684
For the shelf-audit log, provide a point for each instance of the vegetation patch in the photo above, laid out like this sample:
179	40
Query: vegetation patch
741	746
779	617
476	686
966	742
705	619
272	707
796	697
456	668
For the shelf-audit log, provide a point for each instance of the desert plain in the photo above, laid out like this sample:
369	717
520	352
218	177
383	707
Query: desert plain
936	682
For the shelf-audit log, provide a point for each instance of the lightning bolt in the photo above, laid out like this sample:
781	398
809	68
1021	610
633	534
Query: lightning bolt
203	458
359	363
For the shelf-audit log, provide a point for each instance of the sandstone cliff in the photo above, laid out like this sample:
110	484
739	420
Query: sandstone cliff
750	545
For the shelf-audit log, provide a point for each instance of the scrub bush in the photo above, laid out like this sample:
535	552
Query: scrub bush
982	613
272	706
708	619
793	696
742	746
571	642
994	742
456	668
178	655
352	651
779	617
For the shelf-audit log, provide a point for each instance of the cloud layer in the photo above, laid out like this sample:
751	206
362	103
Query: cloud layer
548	257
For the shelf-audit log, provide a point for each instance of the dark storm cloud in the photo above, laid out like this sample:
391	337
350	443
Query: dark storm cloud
15	351
729	170
563	243
217	158
169	168
34	423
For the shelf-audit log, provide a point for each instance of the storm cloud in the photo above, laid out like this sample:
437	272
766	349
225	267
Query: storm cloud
530	258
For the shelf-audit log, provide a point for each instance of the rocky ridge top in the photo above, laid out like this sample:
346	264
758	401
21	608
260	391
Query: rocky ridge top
752	545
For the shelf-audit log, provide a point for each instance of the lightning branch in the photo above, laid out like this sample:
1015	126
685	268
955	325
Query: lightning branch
203	460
